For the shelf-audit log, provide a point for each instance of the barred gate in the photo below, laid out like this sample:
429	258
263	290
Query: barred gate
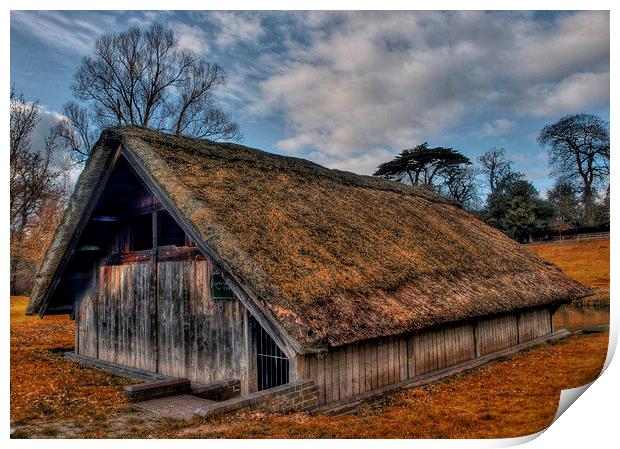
272	365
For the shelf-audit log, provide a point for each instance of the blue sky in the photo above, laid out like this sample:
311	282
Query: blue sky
351	89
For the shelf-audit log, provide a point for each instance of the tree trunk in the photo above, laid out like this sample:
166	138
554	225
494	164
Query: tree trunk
588	205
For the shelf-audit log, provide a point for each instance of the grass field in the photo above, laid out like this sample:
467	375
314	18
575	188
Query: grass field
586	261
52	397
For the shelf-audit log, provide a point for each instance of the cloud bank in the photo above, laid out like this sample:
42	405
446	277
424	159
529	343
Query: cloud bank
379	80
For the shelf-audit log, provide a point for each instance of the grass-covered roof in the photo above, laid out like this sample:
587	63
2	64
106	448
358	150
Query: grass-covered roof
334	257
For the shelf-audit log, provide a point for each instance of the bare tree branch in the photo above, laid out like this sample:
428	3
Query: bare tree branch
143	78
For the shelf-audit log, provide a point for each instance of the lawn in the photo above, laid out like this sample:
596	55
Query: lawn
52	397
585	261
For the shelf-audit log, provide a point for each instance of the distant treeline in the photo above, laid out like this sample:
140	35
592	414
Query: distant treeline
578	150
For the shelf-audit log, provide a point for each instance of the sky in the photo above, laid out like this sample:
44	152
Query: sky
350	90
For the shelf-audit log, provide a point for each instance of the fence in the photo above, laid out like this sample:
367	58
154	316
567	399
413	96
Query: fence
571	237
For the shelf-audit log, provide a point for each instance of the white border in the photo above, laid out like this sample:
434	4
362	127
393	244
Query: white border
591	422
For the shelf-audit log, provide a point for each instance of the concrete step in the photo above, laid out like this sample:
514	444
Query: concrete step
181	406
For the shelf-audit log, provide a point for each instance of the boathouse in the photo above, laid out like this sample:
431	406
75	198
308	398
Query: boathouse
214	261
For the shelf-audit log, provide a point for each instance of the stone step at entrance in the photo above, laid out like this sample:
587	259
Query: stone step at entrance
181	406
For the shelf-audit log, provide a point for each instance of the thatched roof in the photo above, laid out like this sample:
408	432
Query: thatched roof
332	256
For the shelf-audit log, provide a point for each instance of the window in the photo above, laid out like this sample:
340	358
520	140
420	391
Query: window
170	233
141	232
272	365
219	288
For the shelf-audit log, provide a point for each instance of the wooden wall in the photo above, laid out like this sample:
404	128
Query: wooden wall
85	312
534	323
496	333
354	369
161	317
199	338
126	316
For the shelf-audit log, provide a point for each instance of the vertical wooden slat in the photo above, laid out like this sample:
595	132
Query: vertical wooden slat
321	380
349	375
402	359
389	342
355	369
383	365
329	384
337	371
411	360
373	347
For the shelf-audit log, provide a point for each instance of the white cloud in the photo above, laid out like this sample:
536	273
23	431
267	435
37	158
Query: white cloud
572	94
388	80
58	30
234	28
192	37
47	120
497	127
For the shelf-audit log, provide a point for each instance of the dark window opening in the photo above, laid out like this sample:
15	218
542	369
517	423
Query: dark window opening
272	365
220	289
142	232
170	233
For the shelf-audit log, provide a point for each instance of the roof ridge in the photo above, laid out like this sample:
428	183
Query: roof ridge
270	160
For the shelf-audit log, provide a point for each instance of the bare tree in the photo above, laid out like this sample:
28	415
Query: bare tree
36	181
461	184
578	148
495	166
144	78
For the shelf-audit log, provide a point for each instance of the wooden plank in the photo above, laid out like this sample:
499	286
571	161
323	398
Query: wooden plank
329	383
313	359
349	372
411	358
383	364
301	367
402	359
343	371
320	376
389	378
435	348
395	377
373	348
361	357
336	371
355	369
425	352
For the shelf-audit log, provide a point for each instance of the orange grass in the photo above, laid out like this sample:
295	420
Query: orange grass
585	261
517	396
46	387
511	398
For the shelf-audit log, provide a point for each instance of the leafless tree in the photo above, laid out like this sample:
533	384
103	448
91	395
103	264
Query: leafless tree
144	78
461	185
578	148
495	166
37	182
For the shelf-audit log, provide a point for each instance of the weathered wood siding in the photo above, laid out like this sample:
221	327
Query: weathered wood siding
198	338
354	369
496	333
125	313
534	323
86	322
159	316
